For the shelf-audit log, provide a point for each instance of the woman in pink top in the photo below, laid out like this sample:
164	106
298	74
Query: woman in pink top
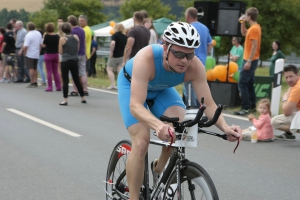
264	129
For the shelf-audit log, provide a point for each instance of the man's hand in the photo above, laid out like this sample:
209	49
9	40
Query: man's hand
163	132
233	133
247	66
20	52
286	94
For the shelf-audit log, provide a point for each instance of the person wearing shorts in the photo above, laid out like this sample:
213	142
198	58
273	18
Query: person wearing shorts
146	91
289	120
31	48
115	60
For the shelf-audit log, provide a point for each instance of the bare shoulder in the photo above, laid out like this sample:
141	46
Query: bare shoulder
144	60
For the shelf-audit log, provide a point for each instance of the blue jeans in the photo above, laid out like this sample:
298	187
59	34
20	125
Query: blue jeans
40	68
22	70
194	100
246	86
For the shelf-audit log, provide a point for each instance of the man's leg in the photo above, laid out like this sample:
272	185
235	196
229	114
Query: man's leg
164	156
251	89
140	137
282	122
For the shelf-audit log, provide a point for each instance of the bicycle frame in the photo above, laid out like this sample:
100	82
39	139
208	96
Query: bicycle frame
175	162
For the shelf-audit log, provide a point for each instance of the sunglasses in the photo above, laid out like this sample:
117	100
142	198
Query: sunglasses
181	55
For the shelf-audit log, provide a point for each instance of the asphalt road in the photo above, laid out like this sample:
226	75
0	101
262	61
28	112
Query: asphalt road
53	152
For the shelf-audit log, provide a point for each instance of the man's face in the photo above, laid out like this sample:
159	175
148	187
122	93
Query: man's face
60	21
291	78
233	41
82	22
18	26
175	52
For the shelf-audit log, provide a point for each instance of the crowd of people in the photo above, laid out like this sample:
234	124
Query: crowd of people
26	50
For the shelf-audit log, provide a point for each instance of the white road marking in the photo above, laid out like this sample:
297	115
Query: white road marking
44	123
236	117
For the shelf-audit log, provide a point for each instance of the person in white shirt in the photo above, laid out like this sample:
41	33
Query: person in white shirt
32	48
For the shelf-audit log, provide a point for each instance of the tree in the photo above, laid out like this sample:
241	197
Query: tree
90	8
6	15
42	17
278	19
155	8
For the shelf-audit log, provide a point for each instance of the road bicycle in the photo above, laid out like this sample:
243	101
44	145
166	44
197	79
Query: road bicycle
181	178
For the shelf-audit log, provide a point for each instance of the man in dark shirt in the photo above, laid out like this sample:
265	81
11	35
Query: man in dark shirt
8	47
138	37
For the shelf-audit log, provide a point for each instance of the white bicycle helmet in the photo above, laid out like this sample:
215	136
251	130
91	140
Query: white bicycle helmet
182	34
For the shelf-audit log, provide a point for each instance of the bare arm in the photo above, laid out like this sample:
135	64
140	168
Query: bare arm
3	46
243	29
24	49
288	107
139	87
198	76
209	46
60	44
112	48
128	49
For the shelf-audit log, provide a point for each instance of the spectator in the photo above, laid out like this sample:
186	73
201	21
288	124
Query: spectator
32	48
117	46
51	57
60	20
277	53
83	23
76	30
22	70
145	13
40	66
60	34
148	23
251	57
237	52
68	48
289	120
200	52
138	37
94	48
264	129
2	32
8	47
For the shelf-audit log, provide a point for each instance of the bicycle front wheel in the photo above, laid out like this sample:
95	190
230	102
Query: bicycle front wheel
196	184
116	181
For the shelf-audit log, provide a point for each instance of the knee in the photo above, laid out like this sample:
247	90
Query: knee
275	121
140	148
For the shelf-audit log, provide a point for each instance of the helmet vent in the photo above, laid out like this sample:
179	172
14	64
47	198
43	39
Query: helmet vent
175	30
180	40
184	30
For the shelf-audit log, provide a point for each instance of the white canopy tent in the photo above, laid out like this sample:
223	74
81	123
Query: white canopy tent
105	32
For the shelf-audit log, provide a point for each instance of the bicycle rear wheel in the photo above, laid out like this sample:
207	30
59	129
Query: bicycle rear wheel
196	184
116	181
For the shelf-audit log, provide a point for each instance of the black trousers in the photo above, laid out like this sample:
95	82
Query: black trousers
72	66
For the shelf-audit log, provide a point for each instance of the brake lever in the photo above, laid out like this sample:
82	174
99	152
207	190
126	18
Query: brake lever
171	135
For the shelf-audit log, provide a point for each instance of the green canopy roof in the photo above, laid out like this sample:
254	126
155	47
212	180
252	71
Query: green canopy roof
161	24
102	25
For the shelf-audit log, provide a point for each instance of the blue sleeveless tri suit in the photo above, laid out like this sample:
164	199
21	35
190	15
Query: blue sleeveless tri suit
160	90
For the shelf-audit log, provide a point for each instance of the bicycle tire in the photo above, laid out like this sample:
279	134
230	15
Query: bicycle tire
198	176
116	171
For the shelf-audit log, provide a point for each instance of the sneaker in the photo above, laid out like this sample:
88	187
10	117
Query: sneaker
242	112
285	136
112	87
2	80
154	173
32	85
6	81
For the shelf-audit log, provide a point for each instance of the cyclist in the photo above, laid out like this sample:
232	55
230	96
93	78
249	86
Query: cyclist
150	77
